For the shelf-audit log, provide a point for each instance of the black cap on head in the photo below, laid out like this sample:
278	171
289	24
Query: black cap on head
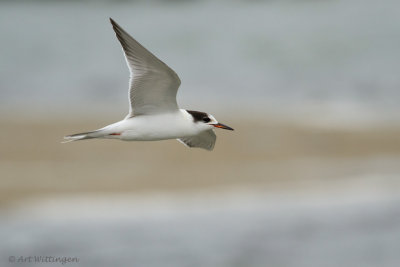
199	116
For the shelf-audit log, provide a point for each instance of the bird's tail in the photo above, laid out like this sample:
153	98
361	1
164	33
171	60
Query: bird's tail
79	136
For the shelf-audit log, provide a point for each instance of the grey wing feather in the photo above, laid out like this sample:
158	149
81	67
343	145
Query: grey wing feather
153	85
204	140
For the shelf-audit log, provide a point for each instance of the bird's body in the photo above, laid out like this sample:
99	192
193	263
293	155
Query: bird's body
150	127
154	113
158	127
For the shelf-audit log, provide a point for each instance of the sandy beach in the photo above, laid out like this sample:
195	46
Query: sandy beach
270	153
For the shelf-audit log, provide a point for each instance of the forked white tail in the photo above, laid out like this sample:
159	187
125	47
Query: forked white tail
79	136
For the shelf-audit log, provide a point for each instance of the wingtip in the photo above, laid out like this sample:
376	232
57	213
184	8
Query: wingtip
111	20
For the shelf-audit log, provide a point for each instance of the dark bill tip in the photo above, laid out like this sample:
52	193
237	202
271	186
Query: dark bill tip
222	126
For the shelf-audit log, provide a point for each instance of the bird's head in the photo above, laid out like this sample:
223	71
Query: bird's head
206	121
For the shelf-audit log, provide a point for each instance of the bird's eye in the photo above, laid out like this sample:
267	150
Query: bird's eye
206	119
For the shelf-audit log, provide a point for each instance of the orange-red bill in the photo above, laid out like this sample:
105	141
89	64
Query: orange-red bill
222	126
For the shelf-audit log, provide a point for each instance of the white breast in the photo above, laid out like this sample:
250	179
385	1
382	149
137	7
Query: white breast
158	127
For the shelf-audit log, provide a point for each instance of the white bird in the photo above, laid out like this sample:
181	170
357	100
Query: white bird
153	111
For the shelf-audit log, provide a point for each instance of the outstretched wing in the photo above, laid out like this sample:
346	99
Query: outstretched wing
153	85
204	140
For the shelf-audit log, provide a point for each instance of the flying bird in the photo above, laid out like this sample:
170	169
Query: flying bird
153	111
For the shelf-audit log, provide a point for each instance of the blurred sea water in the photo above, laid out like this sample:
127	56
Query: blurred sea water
233	229
336	58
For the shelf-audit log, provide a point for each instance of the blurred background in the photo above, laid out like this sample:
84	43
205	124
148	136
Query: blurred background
309	177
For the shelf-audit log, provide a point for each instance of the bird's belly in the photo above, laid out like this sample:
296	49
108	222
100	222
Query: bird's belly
156	127
131	135
153	134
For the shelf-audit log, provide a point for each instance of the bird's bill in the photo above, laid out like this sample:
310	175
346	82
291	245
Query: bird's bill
222	126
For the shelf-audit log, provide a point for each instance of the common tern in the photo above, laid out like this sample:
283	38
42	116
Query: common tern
153	111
